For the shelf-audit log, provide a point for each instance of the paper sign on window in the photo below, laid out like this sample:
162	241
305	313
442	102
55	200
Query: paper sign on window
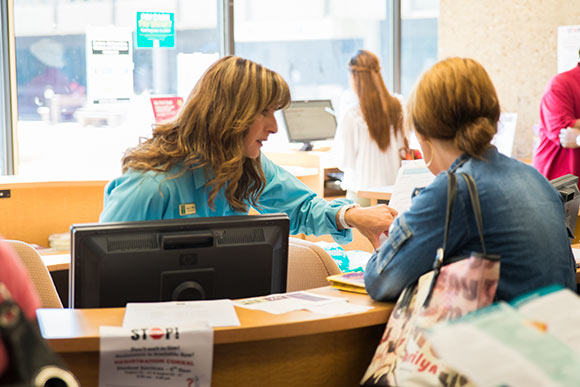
165	108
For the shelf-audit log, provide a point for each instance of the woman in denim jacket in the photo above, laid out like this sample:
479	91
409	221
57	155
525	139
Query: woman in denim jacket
454	110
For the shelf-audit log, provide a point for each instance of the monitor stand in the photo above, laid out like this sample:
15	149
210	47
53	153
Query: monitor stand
306	147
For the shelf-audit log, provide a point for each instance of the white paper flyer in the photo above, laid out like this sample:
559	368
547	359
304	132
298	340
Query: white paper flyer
412	174
287	302
154	356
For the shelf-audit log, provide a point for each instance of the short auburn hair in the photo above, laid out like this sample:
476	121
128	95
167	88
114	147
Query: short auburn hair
455	100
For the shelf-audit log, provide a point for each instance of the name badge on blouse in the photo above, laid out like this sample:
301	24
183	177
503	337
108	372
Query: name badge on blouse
187	209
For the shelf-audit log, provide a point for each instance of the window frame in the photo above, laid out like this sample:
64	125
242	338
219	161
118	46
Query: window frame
7	89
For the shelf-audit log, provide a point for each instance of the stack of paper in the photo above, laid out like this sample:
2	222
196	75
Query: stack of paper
289	302
351	282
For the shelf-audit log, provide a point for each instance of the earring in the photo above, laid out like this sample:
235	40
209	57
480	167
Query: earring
430	151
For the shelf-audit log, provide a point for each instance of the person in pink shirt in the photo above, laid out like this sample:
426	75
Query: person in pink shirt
16	279
559	150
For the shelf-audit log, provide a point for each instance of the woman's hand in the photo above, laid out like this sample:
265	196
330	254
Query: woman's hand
371	221
569	137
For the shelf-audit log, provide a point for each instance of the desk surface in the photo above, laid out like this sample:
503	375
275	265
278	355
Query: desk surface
55	260
292	349
72	330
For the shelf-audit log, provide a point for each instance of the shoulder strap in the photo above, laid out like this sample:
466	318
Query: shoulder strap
440	256
474	195
451	193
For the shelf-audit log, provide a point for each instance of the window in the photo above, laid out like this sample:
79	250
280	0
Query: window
419	23
309	42
84	83
84	86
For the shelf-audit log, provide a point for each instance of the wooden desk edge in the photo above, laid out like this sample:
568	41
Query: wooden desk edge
7	183
377	195
376	316
55	260
267	327
58	267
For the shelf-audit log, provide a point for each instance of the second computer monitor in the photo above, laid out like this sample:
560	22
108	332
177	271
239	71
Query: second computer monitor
567	186
310	120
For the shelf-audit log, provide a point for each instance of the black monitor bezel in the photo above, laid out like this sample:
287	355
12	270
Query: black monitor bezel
81	231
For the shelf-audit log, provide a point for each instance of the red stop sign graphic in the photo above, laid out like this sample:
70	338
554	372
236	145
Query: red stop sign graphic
156	333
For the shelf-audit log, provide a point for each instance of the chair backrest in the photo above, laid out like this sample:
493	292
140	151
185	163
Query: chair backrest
308	265
38	273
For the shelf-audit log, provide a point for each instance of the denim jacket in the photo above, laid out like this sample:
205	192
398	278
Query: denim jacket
523	222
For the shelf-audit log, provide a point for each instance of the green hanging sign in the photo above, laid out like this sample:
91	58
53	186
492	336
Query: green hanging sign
155	29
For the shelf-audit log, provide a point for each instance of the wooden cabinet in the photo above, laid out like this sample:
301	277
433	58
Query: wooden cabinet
315	169
33	210
332	180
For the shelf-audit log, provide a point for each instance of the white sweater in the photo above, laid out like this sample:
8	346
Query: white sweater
359	157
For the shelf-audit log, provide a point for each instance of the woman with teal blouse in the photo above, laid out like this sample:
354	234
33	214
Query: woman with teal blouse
208	162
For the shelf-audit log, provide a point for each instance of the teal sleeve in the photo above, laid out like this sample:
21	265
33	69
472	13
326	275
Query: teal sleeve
308	214
134	196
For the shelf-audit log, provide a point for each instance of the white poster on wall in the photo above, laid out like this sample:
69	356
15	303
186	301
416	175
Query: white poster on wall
109	64
568	47
506	133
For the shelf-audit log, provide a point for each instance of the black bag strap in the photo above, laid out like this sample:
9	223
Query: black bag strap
474	195
440	256
451	194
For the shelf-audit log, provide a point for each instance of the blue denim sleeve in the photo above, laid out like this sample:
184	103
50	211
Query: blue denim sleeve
414	237
308	214
386	285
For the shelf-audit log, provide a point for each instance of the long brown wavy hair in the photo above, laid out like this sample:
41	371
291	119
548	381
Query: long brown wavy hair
210	129
380	110
455	100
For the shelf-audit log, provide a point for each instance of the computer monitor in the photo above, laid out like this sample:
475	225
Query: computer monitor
567	185
180	259
308	121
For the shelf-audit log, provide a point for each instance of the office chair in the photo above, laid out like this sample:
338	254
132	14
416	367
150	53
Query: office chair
38	273
308	265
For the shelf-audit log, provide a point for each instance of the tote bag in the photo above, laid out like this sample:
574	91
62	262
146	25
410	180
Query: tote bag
31	362
455	286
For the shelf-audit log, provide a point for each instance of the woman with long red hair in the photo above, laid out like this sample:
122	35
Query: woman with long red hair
370	132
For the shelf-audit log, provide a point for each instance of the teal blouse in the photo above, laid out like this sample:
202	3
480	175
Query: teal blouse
137	196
